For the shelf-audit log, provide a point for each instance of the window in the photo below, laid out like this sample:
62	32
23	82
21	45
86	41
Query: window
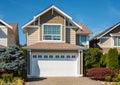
73	56
34	56
57	56
117	41
68	56
50	56
62	56
83	39
45	56
39	56
52	32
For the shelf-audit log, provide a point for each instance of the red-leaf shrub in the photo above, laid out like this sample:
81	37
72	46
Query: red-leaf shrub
100	73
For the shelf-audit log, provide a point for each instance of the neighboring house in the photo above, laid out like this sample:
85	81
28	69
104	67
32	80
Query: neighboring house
110	38
55	44
8	34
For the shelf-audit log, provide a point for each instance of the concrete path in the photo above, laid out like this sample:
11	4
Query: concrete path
63	81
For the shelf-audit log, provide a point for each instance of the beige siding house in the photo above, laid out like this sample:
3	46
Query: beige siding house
55	44
110	38
8	34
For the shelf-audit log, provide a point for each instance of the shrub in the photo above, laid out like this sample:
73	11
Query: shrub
92	58
116	79
112	60
16	81
117	83
100	73
7	77
103	60
108	78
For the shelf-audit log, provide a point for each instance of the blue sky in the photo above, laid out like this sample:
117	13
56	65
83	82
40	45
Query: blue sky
97	15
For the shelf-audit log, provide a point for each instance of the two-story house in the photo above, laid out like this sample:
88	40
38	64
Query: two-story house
55	44
8	34
109	38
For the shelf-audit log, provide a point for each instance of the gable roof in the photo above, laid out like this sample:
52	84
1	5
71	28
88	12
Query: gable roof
46	10
84	30
106	31
6	24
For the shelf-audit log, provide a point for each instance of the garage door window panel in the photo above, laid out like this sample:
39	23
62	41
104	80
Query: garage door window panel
34	56
45	56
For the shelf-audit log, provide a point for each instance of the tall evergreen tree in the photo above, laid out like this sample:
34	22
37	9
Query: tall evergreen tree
13	59
112	59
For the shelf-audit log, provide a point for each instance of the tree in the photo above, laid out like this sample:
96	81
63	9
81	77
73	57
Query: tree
13	59
112	59
92	58
103	60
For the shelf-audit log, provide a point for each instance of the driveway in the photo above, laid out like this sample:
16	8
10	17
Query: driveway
63	81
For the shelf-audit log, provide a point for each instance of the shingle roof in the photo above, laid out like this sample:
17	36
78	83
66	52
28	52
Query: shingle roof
54	46
84	30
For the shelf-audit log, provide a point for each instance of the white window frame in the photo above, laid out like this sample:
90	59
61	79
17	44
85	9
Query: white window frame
114	41
52	40
86	40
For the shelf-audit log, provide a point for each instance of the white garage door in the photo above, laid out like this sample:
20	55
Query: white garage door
52	64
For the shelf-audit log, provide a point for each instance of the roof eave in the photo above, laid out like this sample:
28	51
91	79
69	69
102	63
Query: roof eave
57	48
6	24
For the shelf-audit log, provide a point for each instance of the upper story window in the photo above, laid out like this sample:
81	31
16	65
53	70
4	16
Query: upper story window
52	32
116	40
83	39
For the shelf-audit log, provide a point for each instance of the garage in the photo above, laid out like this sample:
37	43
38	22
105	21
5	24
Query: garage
48	64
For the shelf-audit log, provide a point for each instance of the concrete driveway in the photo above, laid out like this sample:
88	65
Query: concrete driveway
63	81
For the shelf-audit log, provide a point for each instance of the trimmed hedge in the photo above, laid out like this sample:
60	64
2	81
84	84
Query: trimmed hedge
100	73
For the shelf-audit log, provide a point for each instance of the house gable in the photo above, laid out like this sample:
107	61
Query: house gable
107	39
52	17
48	9
112	29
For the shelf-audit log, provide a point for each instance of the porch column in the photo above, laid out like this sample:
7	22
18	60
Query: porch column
78	64
81	63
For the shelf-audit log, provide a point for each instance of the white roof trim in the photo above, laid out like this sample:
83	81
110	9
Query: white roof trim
6	24
54	7
77	25
109	30
27	24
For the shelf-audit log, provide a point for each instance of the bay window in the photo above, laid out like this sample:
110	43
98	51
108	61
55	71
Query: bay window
51	32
